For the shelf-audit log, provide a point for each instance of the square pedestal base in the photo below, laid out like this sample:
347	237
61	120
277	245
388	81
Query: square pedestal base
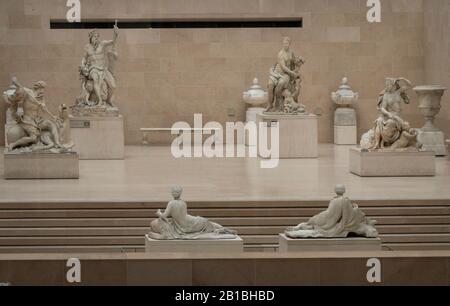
194	246
433	141
328	245
99	138
345	135
390	164
41	166
298	134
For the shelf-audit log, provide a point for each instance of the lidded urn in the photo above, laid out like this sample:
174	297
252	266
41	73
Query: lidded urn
256	96
344	96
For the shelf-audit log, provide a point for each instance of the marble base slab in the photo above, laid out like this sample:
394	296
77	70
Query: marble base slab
345	135
328	245
298	134
433	141
194	246
41	166
98	138
391	164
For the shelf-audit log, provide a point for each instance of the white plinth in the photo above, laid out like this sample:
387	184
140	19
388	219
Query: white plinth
99	138
328	245
194	246
298	134
41	166
345	135
390	164
433	141
251	114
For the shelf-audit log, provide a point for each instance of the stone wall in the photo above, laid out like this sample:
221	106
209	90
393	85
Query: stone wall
437	53
167	75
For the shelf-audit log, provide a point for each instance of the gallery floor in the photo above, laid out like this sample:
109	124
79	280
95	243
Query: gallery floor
110	207
147	173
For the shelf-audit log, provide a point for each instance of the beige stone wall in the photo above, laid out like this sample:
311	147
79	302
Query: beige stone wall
168	75
437	51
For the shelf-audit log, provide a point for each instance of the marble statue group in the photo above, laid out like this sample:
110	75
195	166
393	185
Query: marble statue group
98	82
285	82
30	126
391	131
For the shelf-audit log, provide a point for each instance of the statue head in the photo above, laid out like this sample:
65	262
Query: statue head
176	192
94	37
39	88
340	189
286	43
391	84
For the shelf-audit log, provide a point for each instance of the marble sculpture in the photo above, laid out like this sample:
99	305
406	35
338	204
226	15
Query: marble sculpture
342	219
285	83
391	131
176	224
98	82
30	126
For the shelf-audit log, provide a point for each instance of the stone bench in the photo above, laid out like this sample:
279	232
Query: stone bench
146	131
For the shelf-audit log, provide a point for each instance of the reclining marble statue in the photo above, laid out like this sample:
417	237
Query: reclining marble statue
342	219
391	131
176	224
285	83
30	126
98	82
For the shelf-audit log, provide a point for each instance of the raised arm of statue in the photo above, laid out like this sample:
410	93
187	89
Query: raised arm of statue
115	36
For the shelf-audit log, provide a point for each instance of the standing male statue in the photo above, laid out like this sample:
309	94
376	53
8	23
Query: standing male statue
97	71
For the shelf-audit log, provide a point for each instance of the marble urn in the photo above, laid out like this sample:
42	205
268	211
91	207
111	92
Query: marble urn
345	125
255	96
432	138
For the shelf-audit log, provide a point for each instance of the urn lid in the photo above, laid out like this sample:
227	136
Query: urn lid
345	90
256	90
344	95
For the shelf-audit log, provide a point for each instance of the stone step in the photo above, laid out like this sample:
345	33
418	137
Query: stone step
235	221
139	240
242	230
209	213
219	204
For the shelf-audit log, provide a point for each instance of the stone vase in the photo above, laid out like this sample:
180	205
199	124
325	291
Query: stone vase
430	136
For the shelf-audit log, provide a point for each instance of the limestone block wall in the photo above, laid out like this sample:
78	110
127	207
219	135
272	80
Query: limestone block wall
167	75
437	53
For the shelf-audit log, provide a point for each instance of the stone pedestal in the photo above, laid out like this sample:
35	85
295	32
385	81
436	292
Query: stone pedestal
100	138
41	166
433	141
391	164
345	130
298	136
251	115
328	245
194	246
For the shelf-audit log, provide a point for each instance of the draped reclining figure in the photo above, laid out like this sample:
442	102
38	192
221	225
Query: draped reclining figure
391	131
342	219
30	126
176	224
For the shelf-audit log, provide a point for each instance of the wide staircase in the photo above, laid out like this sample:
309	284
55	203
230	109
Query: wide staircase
120	227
